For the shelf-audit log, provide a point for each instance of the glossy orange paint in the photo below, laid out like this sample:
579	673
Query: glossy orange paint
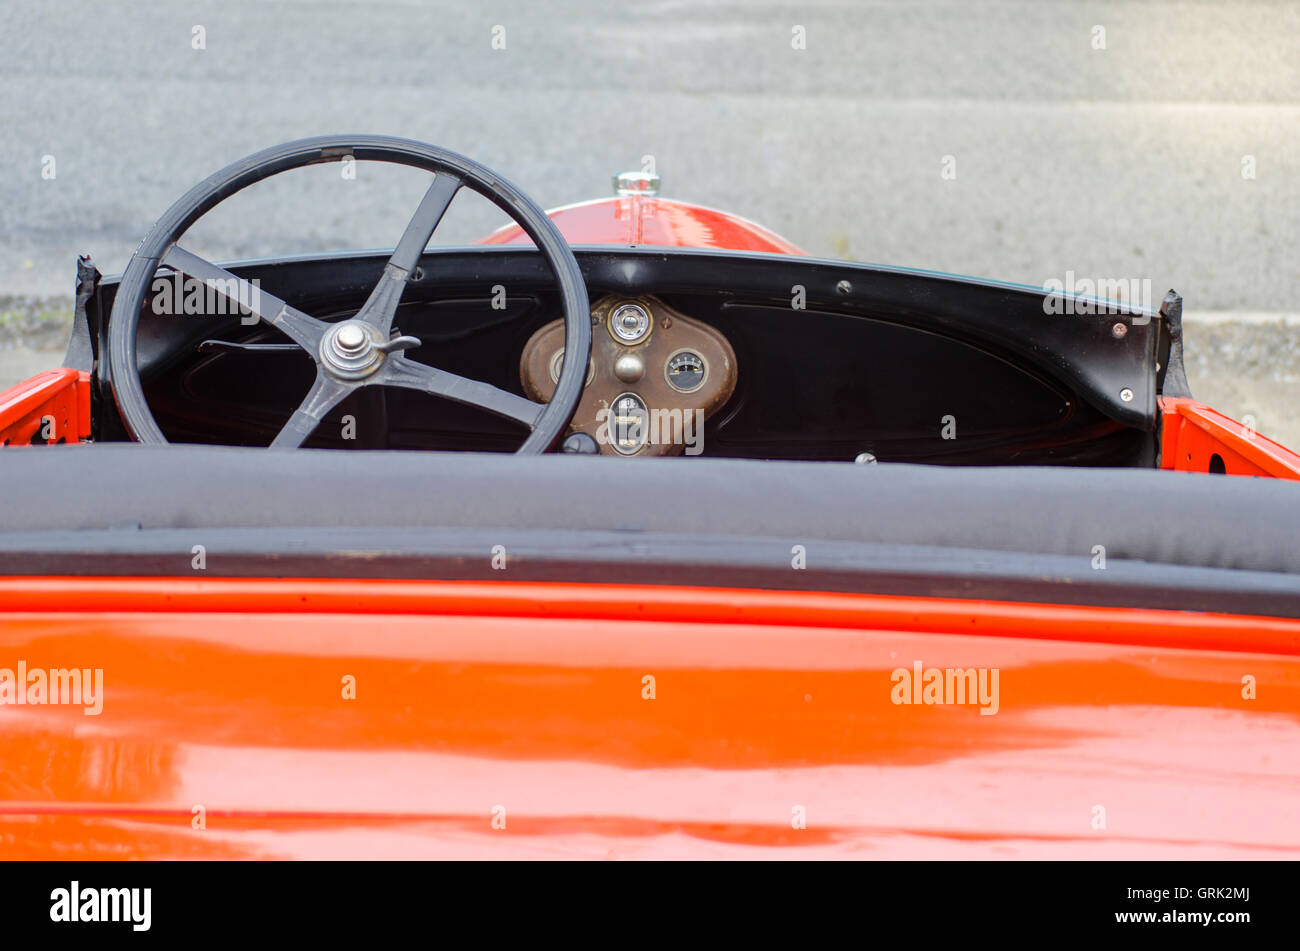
649	221
1193	434
59	399
528	704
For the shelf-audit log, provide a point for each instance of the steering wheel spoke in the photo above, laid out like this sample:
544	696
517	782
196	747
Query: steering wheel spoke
303	329
379	309
402	371
324	395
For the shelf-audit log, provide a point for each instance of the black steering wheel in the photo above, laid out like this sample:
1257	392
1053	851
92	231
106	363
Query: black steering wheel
363	350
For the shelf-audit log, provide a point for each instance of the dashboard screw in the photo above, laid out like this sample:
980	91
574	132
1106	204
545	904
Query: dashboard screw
1126	395
844	287
1120	329
864	459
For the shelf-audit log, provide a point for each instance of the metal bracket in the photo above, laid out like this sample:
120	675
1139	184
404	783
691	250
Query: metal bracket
1175	378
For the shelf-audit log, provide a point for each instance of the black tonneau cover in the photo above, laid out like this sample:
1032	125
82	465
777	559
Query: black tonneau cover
1130	537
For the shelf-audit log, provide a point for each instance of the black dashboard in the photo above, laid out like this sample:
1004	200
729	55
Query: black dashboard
829	360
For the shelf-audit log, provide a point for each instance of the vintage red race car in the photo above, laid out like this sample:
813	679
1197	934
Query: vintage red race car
801	558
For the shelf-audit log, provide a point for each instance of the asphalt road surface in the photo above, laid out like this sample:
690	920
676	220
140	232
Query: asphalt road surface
986	138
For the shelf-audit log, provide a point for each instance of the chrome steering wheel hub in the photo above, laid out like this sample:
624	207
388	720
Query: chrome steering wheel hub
350	350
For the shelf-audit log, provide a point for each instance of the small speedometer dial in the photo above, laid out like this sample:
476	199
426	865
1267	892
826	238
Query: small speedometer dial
685	371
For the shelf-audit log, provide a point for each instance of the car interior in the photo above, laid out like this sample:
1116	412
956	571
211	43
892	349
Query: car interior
924	433
871	360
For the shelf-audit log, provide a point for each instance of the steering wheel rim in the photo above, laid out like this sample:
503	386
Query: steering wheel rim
338	365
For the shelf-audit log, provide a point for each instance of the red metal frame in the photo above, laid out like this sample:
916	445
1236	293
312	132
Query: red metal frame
1192	435
654	603
63	394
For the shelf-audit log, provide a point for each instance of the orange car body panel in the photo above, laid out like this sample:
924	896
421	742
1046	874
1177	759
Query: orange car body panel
641	220
517	720
1192	435
52	407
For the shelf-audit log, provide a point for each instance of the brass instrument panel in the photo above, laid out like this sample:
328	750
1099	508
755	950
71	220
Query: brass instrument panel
655	376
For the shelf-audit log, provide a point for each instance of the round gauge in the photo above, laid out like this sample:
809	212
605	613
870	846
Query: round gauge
557	362
629	323
685	371
628	427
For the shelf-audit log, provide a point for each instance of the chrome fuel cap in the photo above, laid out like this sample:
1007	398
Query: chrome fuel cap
636	183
